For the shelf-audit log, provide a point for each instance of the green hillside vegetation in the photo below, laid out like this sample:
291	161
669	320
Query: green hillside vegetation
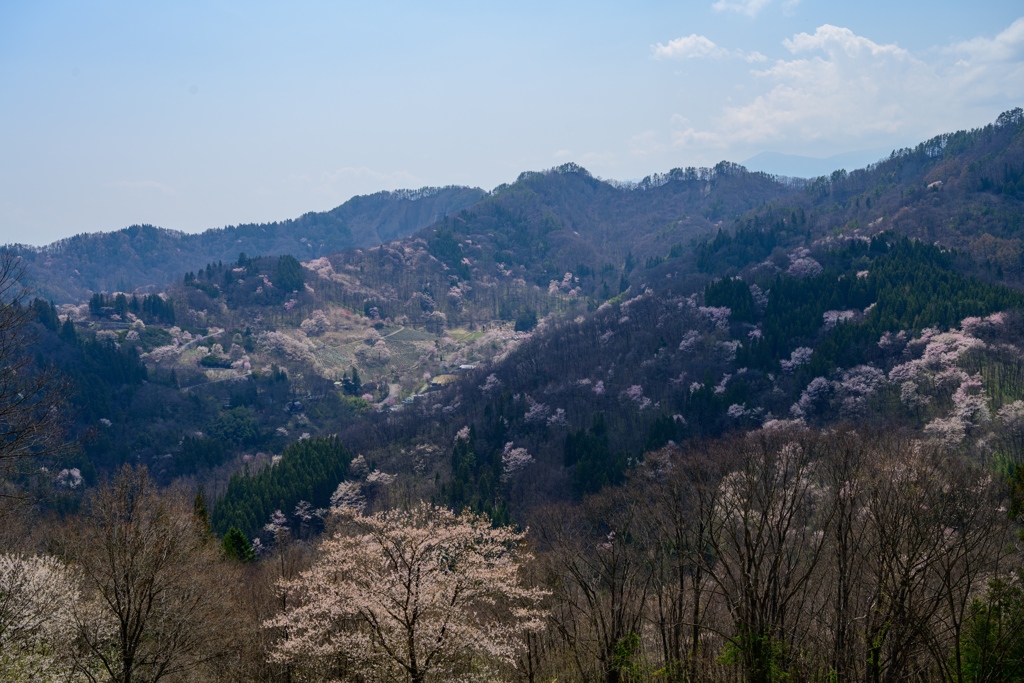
308	471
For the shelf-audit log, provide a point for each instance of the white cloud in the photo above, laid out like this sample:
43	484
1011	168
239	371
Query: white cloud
839	86
747	7
688	47
990	69
833	39
1006	46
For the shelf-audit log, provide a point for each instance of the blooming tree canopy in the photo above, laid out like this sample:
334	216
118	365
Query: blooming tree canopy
410	595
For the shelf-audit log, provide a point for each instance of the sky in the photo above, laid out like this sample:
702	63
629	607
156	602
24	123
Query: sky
195	115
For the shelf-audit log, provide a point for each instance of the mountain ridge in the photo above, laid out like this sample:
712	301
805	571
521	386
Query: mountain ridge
145	257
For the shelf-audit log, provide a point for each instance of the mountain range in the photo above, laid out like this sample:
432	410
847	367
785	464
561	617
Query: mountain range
584	321
144	257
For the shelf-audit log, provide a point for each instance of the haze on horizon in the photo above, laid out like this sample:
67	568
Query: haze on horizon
207	114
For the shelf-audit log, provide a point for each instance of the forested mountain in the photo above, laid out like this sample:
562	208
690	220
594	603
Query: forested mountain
751	429
145	257
685	306
959	189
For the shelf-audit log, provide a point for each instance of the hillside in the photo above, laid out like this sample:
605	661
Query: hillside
577	324
961	190
144	257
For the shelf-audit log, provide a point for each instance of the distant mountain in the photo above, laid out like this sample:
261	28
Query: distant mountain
796	166
549	234
142	257
963	190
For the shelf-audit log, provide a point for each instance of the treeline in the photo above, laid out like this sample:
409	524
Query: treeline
959	189
250	281
885	285
147	256
125	411
778	555
151	308
794	556
308	470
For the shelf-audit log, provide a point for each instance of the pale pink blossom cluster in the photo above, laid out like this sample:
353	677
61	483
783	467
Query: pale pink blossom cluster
728	349
69	478
492	383
285	345
39	615
800	356
804	267
459	575
949	431
536	412
737	411
348	496
514	459
892	343
1012	415
718	315
970	403
856	386
760	297
973	324
910	397
322	267
380	479
558	418
690	341
635	393
833	318
938	359
678	381
316	324
813	398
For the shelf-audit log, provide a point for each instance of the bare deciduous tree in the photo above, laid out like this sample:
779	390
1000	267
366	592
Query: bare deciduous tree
32	399
602	581
152	607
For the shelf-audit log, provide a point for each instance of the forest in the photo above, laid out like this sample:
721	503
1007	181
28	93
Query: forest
711	426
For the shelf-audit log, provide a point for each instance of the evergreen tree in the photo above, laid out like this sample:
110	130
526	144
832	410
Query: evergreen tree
237	546
67	331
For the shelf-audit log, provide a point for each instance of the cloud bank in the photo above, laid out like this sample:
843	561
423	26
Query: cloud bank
838	85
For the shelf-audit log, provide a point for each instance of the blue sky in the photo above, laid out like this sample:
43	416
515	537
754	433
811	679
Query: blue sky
192	115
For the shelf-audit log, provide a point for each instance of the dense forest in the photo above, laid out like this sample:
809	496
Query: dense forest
711	426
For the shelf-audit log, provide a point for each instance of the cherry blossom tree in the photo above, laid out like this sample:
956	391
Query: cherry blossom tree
514	459
36	619
416	595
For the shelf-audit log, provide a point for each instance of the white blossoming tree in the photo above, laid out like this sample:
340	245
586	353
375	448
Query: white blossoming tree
36	620
419	595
